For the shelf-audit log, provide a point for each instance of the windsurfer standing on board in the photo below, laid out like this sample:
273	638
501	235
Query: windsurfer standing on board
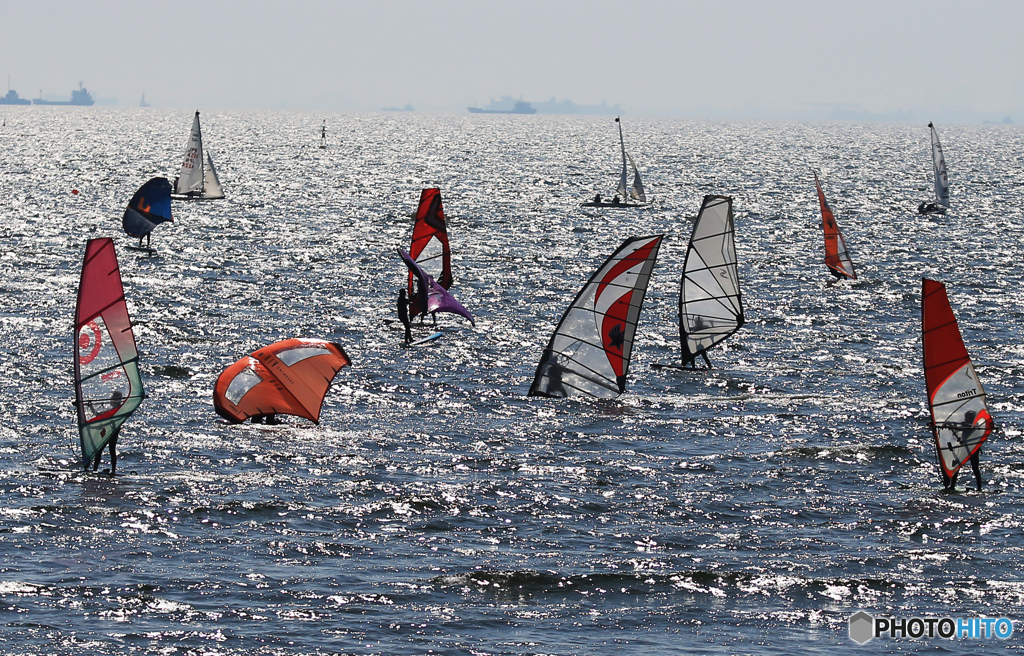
965	429
403	314
115	402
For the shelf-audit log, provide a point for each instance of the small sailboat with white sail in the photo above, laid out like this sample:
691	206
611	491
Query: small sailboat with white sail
941	203
622	193
197	179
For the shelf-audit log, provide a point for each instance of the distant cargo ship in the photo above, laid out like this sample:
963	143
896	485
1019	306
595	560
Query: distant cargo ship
12	96
520	107
12	99
79	96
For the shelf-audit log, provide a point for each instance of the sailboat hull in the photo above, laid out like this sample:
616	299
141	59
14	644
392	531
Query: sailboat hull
612	205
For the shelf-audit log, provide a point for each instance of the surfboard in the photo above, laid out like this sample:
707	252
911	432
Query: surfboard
426	340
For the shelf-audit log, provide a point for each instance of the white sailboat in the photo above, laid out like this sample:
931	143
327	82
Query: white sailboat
941	203
196	181
636	191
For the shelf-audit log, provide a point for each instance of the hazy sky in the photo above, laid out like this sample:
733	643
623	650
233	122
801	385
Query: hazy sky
785	58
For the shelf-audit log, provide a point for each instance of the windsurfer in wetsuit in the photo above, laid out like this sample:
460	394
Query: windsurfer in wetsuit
403	314
965	431
115	402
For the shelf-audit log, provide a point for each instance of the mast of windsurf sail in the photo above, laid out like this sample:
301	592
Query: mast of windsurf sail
960	418
323	135
939	169
190	177
590	349
108	386
622	178
710	307
837	259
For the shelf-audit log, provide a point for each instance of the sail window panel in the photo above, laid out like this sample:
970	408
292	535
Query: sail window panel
431	258
241	384
291	356
105	393
96	352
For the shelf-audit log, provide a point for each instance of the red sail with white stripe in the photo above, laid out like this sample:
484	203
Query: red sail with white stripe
837	258
960	418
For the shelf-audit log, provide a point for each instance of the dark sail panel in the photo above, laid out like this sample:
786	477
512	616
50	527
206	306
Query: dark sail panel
148	208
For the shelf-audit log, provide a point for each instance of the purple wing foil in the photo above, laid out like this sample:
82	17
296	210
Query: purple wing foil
438	299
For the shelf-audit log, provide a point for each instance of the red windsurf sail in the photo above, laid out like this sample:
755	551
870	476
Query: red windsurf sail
429	247
960	418
837	258
108	385
287	378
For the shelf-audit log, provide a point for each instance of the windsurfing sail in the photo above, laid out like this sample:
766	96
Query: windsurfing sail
108	386
710	307
430	247
323	135
427	296
590	350
190	177
837	258
287	378
939	168
960	418
148	208
211	183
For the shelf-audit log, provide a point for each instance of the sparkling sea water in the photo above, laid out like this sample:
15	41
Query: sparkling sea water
750	509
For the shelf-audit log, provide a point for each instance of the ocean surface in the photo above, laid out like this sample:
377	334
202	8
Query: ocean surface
436	509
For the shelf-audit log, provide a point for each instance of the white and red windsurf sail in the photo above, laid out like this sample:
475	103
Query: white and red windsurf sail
960	418
108	386
429	246
590	350
837	258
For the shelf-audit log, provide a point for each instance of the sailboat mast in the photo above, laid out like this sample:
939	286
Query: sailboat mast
622	144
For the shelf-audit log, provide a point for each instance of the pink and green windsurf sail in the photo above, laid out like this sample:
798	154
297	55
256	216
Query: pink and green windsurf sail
108	386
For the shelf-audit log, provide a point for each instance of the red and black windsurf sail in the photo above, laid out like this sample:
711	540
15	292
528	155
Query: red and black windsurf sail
429	247
286	378
590	350
837	257
960	419
108	385
148	208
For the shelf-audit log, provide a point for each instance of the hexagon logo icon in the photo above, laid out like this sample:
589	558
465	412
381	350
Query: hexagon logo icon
862	627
